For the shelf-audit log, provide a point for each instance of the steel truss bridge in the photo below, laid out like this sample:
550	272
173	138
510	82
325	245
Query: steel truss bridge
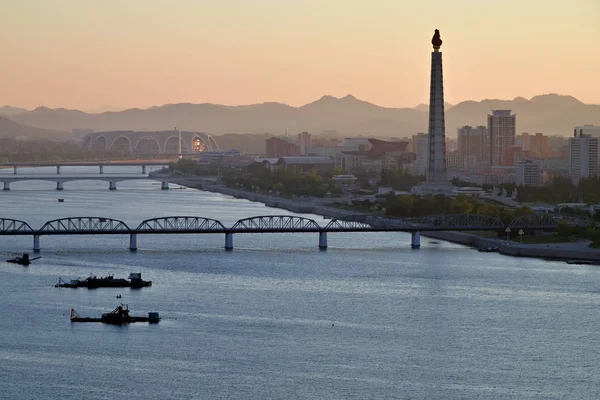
273	224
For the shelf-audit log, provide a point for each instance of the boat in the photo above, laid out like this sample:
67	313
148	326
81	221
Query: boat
583	262
118	316
134	281
61	200
22	260
488	249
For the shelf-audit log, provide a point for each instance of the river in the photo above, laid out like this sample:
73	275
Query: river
276	317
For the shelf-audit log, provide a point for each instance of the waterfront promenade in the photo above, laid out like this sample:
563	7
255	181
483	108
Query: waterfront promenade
322	206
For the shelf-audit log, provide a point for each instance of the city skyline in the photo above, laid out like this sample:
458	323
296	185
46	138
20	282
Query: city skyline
82	56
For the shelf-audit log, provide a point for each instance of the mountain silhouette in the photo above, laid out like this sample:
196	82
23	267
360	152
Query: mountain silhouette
10	129
7	111
551	114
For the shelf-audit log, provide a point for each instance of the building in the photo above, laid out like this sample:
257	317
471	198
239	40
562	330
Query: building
454	160
587	130
513	155
278	147
306	164
502	130
304	142
528	173
537	145
380	154
583	157
474	142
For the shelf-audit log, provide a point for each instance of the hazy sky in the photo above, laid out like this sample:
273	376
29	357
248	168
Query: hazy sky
138	53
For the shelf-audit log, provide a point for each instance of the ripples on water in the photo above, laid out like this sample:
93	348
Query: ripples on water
276	318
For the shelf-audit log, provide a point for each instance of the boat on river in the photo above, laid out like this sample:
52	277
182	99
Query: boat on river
22	260
118	316
134	281
489	249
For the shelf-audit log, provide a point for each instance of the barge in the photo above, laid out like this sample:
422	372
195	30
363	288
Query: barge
22	260
118	316
134	281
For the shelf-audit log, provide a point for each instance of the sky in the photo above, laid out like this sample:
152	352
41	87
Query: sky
139	53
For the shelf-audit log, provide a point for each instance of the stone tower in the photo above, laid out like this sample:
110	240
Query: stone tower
436	171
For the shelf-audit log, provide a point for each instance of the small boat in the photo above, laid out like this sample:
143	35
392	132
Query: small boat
61	200
22	260
118	316
583	262
135	281
488	249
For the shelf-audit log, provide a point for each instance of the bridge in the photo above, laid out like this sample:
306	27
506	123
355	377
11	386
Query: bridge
62	179
150	142
99	164
270	224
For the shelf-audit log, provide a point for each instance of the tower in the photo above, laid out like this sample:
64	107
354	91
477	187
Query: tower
436	171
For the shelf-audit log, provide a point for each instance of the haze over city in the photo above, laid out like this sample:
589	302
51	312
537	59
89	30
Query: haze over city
299	199
115	55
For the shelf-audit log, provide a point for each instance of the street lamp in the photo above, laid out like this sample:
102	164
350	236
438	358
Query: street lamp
507	230
521	235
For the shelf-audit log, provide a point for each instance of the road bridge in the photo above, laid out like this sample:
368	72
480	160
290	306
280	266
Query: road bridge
268	224
60	180
99	164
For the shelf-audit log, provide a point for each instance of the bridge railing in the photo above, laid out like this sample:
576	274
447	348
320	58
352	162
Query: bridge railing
181	224
276	223
85	225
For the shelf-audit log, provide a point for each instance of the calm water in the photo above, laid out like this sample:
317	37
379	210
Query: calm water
276	318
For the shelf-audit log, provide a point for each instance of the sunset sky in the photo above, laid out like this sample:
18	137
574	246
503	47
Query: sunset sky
138	53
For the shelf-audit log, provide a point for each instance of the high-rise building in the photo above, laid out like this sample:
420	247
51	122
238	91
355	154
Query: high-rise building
502	130
304	142
474	142
587	130
528	173
583	157
537	145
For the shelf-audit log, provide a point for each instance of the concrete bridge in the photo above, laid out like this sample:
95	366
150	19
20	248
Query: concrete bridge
62	179
271	224
99	164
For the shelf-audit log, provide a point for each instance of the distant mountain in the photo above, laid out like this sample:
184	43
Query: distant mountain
11	129
425	107
551	114
7	111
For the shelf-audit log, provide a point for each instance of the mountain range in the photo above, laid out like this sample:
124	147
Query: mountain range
11	129
551	114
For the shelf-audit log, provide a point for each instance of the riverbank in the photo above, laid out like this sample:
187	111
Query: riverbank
555	251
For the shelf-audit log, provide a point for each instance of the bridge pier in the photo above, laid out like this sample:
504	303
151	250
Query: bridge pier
101	169
112	185
415	240
164	186
322	240
15	169
133	242
36	243
59	186
58	170
229	241
6	186
143	169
